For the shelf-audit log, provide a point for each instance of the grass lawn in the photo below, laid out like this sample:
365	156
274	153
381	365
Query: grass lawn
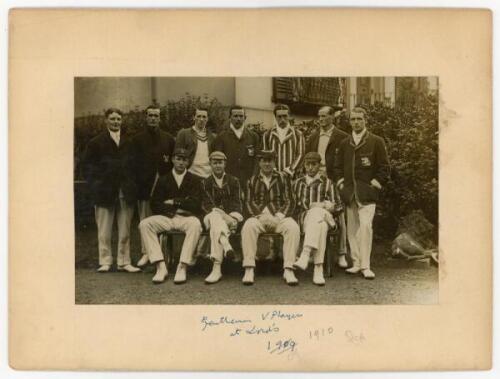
397	282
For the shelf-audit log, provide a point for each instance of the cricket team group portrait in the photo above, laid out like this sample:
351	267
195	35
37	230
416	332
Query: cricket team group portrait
239	184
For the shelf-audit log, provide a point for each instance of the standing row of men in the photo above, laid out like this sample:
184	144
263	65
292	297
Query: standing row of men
222	179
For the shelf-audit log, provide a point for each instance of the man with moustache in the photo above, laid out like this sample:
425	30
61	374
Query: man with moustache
176	206
222	205
326	141
107	168
240	146
361	171
152	151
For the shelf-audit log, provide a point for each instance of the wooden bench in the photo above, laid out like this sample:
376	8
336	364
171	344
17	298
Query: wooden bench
173	244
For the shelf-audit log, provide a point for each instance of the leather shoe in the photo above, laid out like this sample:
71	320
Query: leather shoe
129	268
368	274
248	278
353	270
180	274
342	262
318	277
104	268
302	262
215	275
143	261
160	276
289	277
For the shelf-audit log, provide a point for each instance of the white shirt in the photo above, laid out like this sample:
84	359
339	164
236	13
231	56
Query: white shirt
282	132
201	163
324	138
238	132
357	137
115	136
219	181
178	177
310	179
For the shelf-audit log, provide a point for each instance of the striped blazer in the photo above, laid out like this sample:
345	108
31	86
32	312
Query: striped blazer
290	153
278	198
318	190
227	198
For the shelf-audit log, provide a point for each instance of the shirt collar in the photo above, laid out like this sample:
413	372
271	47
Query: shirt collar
178	176
328	132
358	137
311	179
238	132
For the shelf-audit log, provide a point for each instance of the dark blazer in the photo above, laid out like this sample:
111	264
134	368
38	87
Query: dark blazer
357	165
186	139
152	153
187	197
227	198
331	149
107	168
240	153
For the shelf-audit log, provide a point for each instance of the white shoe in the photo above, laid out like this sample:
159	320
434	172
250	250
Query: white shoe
143	261
160	276
104	268
289	277
215	275
180	274
368	274
303	261
353	270
248	278
128	268
342	262
318	277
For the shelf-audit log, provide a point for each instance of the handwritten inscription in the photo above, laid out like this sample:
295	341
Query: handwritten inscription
320	333
281	346
355	338
206	322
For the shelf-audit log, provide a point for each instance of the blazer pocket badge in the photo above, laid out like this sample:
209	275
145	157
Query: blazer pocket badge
365	161
166	158
251	150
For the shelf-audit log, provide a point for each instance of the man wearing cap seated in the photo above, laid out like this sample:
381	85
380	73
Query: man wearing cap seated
269	203
221	202
316	201
175	204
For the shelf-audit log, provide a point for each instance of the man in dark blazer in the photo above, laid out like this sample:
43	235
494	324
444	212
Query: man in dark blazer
361	170
176	206
326	141
240	145
107	167
152	151
222	206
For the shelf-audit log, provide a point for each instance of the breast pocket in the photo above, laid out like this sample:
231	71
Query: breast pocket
366	160
250	150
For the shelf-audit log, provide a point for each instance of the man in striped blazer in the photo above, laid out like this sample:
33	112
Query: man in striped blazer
288	143
316	202
222	205
269	203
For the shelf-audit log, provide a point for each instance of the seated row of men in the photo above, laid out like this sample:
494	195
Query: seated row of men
179	200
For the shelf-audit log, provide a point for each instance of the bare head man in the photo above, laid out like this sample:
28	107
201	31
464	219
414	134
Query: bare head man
357	119
237	116
282	115
113	119
153	116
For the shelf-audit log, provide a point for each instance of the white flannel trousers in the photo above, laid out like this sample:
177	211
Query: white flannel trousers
287	227
360	232
153	225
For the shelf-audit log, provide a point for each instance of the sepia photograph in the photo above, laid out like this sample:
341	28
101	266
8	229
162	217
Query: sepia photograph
230	190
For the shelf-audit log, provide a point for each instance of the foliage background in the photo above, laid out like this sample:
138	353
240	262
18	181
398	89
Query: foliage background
410	130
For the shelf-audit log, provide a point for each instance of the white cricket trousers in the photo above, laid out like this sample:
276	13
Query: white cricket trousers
360	233
104	217
287	227
218	228
316	232
150	228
